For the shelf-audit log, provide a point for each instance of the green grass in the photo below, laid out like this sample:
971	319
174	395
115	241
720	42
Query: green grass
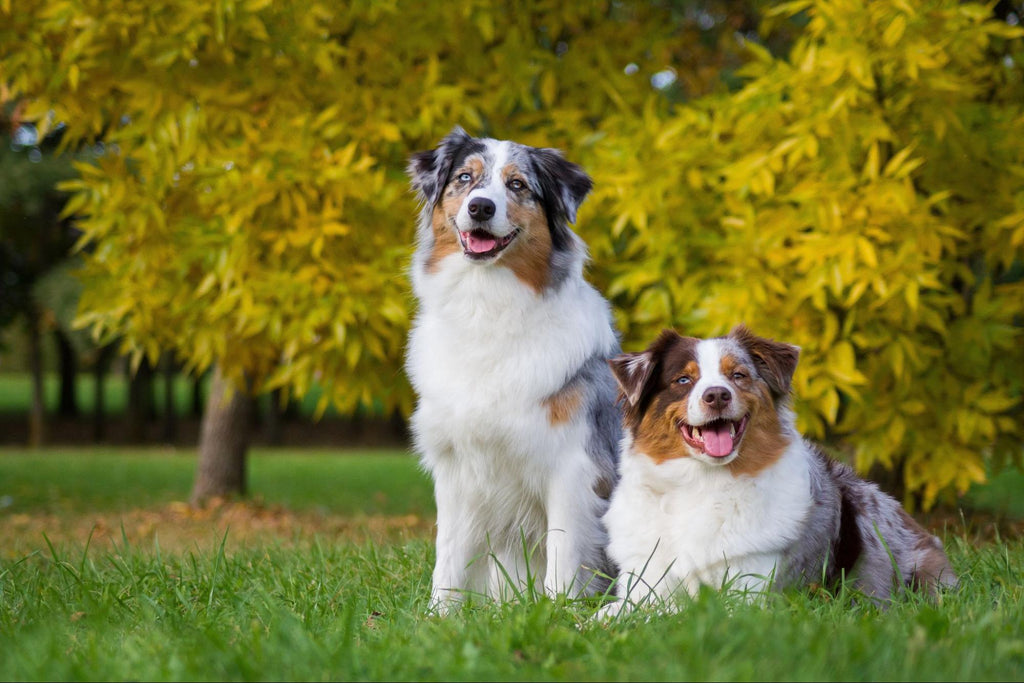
71	481
1002	493
357	612
338	609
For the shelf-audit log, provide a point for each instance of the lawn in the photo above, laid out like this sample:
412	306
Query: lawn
323	575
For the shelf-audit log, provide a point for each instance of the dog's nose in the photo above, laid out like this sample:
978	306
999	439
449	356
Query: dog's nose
717	397
480	208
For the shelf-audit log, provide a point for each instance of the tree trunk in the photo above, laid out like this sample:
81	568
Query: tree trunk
223	443
37	414
68	405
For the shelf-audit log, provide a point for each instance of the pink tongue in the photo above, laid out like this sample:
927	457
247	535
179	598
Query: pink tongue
480	242
717	440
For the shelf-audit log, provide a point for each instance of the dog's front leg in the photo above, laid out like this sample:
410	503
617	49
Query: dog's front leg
574	534
456	569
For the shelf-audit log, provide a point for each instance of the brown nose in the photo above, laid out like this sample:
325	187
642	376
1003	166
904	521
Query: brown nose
480	208
716	397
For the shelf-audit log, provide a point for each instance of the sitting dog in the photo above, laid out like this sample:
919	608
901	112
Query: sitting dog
516	418
717	487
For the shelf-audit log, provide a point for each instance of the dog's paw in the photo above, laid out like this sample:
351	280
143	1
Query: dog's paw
610	611
442	603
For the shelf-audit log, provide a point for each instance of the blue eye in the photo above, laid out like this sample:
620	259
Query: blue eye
516	184
739	375
465	177
683	380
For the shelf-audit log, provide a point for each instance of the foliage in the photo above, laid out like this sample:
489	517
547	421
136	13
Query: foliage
34	242
256	213
864	199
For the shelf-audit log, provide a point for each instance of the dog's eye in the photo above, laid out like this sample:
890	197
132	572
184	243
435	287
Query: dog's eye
684	380
739	375
465	177
516	184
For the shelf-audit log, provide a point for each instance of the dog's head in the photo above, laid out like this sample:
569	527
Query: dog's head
496	201
722	401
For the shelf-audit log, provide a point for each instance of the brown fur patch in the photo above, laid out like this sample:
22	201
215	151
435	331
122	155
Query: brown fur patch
529	257
662	401
658	436
446	242
563	405
764	441
475	166
932	563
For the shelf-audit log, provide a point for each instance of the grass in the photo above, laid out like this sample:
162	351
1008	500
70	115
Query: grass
75	481
342	606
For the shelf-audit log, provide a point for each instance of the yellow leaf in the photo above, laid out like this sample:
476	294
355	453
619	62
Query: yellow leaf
996	403
829	403
897	161
870	170
912	295
548	88
867	252
894	31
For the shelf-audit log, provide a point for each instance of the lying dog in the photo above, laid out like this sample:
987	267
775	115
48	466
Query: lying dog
717	487
516	418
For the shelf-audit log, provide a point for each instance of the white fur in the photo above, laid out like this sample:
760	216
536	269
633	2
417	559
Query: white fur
689	520
483	355
682	524
499	224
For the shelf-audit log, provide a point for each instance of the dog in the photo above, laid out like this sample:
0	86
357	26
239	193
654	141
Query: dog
516	418
717	488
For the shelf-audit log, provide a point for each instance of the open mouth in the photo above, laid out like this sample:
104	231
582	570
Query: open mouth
480	244
717	438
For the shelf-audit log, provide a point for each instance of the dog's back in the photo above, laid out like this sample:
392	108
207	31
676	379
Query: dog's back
858	532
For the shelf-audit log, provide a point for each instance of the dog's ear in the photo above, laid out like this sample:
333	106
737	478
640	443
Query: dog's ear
564	186
775	361
636	374
632	371
429	170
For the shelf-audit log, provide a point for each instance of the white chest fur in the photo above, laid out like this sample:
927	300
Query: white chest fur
681	523
486	350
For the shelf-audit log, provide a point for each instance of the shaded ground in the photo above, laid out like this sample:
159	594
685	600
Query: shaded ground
178	527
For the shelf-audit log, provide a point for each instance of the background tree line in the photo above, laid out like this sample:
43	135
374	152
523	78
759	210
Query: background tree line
846	176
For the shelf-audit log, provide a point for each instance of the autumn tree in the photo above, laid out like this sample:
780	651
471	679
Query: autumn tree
858	194
862	197
251	211
35	244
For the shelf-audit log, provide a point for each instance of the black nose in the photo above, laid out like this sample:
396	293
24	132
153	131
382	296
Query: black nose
480	209
717	397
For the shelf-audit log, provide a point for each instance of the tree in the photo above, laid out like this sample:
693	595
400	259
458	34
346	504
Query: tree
34	245
254	215
860	197
863	198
